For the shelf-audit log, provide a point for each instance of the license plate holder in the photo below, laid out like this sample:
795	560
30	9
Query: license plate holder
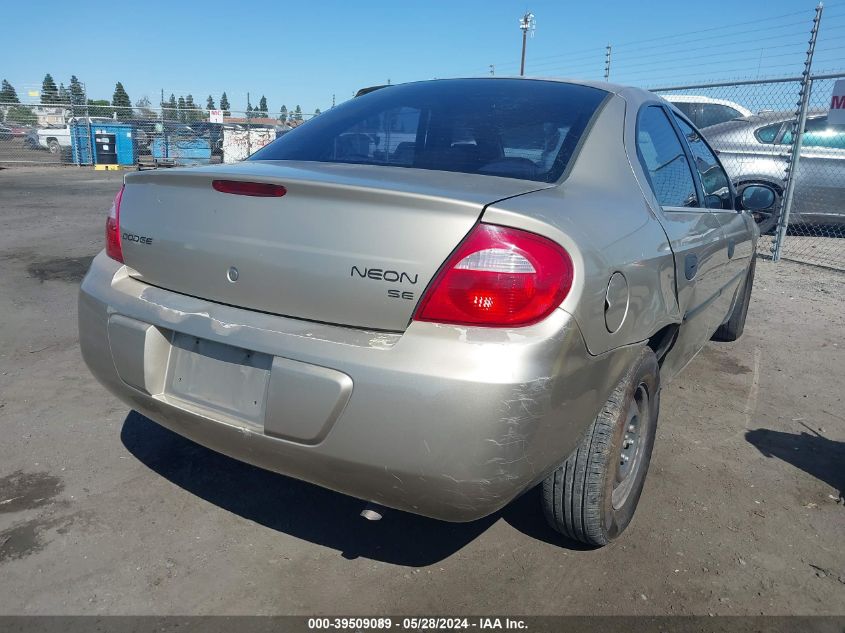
218	378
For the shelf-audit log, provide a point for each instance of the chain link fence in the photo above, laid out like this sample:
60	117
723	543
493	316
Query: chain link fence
752	125
45	134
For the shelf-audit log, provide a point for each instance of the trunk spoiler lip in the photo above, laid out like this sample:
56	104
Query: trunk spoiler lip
404	182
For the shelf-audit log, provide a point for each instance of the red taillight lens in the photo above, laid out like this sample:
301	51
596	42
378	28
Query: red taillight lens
113	247
242	188
498	277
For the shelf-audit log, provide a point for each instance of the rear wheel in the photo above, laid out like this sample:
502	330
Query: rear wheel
766	219
592	496
53	146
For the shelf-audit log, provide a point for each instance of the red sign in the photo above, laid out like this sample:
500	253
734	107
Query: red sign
836	115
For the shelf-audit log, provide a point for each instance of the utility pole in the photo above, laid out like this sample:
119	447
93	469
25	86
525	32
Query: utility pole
607	63
526	23
492	70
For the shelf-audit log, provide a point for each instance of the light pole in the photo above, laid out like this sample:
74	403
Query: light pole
526	23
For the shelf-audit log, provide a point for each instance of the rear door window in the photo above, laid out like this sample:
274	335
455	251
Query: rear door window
817	133
664	160
714	180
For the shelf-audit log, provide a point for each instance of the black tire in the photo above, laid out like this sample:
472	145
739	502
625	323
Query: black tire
767	219
732	329
580	498
54	147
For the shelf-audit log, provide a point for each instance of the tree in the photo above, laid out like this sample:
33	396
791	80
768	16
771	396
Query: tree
180	109
262	106
297	114
283	114
172	112
77	92
144	108
224	104
64	95
49	91
21	114
99	107
192	112
120	100
209	103
8	94
317	111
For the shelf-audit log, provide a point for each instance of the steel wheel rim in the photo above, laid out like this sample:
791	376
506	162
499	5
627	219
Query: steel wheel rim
630	458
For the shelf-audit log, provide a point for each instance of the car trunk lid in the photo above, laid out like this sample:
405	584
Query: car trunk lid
352	245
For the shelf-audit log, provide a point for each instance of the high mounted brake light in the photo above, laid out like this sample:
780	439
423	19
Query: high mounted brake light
113	247
498	277
243	188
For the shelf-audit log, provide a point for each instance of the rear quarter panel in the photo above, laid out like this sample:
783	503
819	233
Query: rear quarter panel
600	216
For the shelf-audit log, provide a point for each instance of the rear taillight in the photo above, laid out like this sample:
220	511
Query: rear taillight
243	188
498	277
113	248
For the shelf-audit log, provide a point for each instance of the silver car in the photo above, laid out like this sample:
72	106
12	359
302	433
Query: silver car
754	151
434	297
706	111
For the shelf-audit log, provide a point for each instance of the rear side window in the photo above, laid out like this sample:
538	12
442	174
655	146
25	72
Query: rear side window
496	127
714	180
817	133
767	134
713	113
687	108
664	159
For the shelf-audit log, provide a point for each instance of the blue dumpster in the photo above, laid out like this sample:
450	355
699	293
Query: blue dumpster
181	149
112	143
122	152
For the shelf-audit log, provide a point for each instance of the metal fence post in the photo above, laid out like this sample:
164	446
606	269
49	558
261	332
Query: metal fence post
90	140
797	137
74	134
163	129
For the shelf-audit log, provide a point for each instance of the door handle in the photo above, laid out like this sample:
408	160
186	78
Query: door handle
690	266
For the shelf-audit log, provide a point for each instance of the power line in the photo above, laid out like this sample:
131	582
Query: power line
715	28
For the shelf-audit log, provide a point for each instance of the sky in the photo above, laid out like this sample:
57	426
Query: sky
307	53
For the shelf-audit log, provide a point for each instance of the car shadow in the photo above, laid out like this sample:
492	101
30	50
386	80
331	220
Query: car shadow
814	454
316	514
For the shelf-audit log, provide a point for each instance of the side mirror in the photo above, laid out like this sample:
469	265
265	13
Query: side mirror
757	198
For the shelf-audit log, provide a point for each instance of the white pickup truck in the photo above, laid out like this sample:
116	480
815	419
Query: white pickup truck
57	138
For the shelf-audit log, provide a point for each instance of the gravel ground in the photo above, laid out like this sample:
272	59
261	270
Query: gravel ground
104	512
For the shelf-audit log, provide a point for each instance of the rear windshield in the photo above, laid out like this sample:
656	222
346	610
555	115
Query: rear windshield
497	127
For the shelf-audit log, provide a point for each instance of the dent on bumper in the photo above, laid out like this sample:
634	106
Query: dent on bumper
445	421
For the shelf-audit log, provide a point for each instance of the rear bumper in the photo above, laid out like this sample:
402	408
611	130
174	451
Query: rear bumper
444	421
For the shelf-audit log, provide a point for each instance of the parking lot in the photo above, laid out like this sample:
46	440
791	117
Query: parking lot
16	150
104	512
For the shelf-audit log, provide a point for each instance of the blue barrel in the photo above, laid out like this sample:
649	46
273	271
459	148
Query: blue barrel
80	143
